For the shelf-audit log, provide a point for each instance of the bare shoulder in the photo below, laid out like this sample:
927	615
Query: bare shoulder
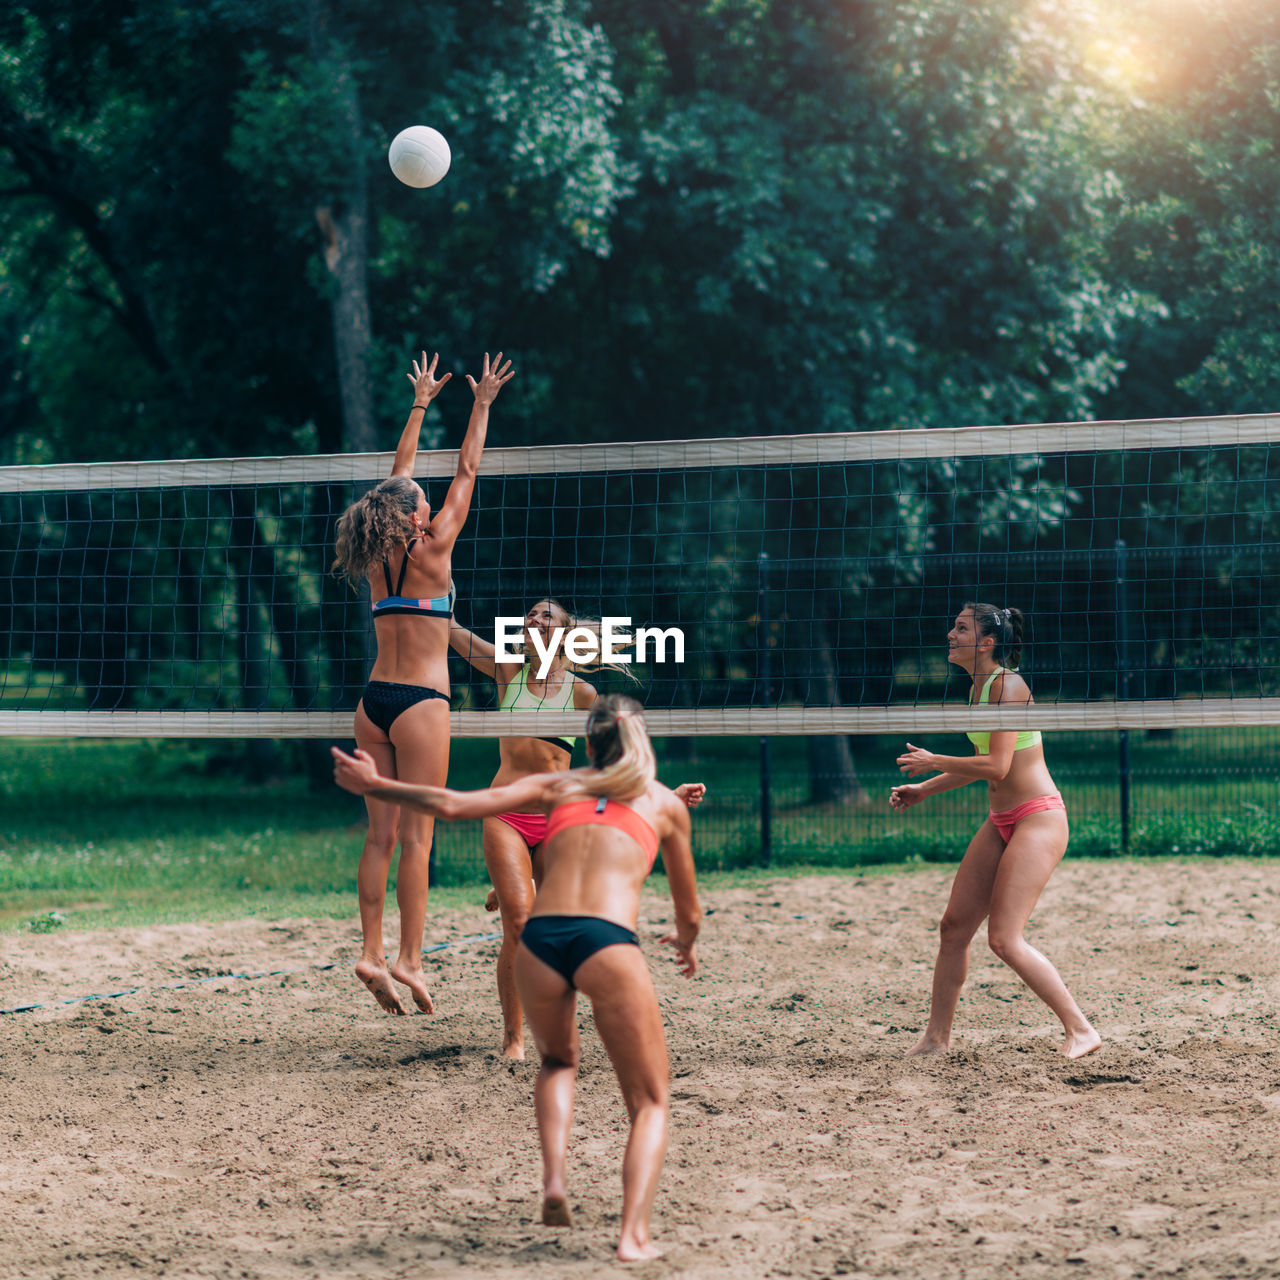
584	694
670	808
1011	689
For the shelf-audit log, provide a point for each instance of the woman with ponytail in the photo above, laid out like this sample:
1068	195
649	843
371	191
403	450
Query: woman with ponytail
513	841
606	824
402	721
1010	859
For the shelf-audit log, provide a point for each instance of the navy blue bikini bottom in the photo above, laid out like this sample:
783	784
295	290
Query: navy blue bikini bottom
384	701
565	942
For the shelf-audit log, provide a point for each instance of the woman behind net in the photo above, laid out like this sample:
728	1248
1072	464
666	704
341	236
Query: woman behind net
513	841
1010	859
390	539
606	825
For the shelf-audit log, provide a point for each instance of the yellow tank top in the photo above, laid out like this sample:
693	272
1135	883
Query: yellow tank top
1026	737
519	697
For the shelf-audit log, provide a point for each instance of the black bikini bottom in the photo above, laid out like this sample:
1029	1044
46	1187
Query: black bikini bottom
565	942
384	701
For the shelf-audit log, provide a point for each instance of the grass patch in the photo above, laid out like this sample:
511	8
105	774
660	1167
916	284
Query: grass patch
108	833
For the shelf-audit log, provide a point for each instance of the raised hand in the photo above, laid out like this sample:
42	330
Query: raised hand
492	379
426	386
356	773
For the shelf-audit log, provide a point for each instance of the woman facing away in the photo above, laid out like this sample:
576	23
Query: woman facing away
606	824
1010	859
391	539
513	841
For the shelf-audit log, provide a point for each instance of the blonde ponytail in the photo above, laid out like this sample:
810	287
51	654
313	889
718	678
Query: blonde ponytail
621	753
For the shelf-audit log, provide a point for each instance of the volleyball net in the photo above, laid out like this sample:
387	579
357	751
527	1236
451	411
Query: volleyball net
812	580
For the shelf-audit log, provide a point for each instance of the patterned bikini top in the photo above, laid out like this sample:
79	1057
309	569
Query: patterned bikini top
393	602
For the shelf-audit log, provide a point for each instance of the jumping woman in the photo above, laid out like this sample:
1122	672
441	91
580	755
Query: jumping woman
513	841
1010	859
390	539
606	824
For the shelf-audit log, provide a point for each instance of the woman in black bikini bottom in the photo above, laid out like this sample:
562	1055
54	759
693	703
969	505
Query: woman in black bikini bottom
606	825
402	720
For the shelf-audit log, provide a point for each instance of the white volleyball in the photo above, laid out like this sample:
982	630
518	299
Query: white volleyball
419	156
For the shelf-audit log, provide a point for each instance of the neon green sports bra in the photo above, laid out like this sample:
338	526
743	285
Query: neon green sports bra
1026	737
519	697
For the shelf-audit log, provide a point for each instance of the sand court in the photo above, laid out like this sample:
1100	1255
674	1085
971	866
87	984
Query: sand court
282	1126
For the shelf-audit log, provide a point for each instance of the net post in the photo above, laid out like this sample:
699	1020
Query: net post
766	680
1122	681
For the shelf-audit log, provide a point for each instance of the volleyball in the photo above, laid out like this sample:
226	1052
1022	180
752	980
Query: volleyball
419	156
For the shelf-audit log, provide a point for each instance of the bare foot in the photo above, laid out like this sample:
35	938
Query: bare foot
555	1212
928	1045
1081	1042
378	979
491	900
416	981
513	1047
634	1251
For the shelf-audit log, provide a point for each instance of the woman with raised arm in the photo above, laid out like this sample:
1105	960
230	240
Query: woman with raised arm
1010	859
390	539
606	824
513	841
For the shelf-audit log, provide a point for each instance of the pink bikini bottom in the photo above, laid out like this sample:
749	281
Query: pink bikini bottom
532	826
1007	819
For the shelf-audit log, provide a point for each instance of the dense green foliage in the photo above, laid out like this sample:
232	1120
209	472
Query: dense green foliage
684	219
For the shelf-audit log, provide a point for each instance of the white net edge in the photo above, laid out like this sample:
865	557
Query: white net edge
1022	439
1206	713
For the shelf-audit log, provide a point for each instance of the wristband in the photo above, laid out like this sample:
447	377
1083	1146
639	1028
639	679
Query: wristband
423	407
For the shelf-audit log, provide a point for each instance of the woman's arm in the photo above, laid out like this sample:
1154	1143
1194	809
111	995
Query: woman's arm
992	767
478	652
359	774
910	793
426	386
677	859
447	523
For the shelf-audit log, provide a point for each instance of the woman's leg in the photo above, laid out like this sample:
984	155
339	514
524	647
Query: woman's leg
420	736
966	909
1036	847
507	857
375	864
626	1012
549	1001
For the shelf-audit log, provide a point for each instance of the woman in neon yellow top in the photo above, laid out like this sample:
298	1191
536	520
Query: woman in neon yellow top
1010	859
513	840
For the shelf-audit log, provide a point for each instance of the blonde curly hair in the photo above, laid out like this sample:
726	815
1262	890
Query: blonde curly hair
373	526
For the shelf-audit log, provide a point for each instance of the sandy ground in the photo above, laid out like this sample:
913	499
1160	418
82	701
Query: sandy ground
284	1127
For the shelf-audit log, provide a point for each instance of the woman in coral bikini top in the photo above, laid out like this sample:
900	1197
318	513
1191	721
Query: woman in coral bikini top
1010	859
605	827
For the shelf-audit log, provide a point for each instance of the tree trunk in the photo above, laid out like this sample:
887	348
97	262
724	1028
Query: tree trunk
346	247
